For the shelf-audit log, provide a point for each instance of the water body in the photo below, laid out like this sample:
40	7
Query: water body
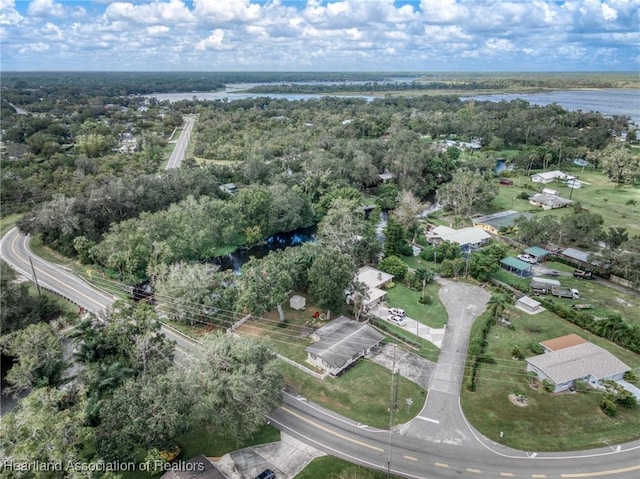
234	261
607	102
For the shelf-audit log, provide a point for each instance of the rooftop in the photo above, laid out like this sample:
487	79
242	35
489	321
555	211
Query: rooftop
563	342
576	254
527	301
500	219
462	236
536	251
577	362
550	175
373	277
515	263
341	339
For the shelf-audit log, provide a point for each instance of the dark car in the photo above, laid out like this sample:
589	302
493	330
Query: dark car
266	474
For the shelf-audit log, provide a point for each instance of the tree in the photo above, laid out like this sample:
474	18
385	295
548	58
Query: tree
582	227
345	229
394	243
483	265
44	429
395	266
537	230
497	304
39	354
466	190
406	213
236	382
615	237
196	292
329	278
265	283
621	165
147	412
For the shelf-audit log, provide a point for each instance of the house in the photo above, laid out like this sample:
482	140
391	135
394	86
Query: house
498	222
562	342
197	468
549	176
229	188
514	265
374	281
583	361
468	239
340	343
574	184
529	305
549	201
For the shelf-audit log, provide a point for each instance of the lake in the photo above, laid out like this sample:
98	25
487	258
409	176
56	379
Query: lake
605	101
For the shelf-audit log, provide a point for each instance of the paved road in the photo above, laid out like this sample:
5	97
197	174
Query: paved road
14	249
181	144
404	455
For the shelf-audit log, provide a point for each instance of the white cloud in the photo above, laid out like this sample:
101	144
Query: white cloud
157	30
35	47
445	11
609	13
45	8
157	12
218	11
215	41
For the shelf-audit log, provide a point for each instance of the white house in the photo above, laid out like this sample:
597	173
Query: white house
584	361
374	280
340	343
529	305
549	176
467	238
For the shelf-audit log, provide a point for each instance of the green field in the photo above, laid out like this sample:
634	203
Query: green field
329	467
360	393
7	222
566	421
599	196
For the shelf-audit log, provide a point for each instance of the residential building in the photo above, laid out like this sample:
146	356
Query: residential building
549	201
498	222
374	281
340	343
468	239
516	266
584	361
549	176
562	342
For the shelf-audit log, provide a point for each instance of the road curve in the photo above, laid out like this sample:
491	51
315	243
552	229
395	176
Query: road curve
402	455
180	149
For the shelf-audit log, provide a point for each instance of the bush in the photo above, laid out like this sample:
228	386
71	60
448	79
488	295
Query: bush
608	407
630	376
581	386
394	265
425	299
517	353
524	195
548	386
536	348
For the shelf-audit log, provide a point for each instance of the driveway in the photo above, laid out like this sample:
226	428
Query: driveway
409	365
433	335
441	420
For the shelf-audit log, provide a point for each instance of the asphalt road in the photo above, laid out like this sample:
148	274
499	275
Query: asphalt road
181	144
403	455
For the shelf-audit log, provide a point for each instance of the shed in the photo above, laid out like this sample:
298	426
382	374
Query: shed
575	254
298	302
515	265
540	254
529	305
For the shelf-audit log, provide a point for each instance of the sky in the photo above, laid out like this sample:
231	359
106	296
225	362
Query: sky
315	35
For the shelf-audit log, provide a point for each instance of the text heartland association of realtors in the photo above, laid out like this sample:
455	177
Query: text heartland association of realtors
99	466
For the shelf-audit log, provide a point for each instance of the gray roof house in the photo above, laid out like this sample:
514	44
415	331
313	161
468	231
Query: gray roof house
584	361
340	343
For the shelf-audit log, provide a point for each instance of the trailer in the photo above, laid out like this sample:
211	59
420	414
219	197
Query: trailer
580	274
543	285
562	292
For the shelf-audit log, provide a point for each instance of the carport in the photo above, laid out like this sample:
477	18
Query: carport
516	266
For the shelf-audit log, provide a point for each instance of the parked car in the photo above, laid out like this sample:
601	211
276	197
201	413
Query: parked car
397	312
580	274
527	258
266	474
399	320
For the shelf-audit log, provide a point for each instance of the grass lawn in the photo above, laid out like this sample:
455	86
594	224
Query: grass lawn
329	467
433	315
599	196
8	222
361	393
567	421
604	300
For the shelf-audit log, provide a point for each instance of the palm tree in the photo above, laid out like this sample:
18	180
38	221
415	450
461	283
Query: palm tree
497	303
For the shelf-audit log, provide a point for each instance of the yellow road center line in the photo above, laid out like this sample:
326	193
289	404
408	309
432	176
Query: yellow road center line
411	458
325	429
506	474
439	464
477	471
538	475
602	473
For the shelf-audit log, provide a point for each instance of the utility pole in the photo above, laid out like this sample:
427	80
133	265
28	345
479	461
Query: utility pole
35	278
393	397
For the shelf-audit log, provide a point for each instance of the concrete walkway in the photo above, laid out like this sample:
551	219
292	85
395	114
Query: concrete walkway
286	458
433	335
